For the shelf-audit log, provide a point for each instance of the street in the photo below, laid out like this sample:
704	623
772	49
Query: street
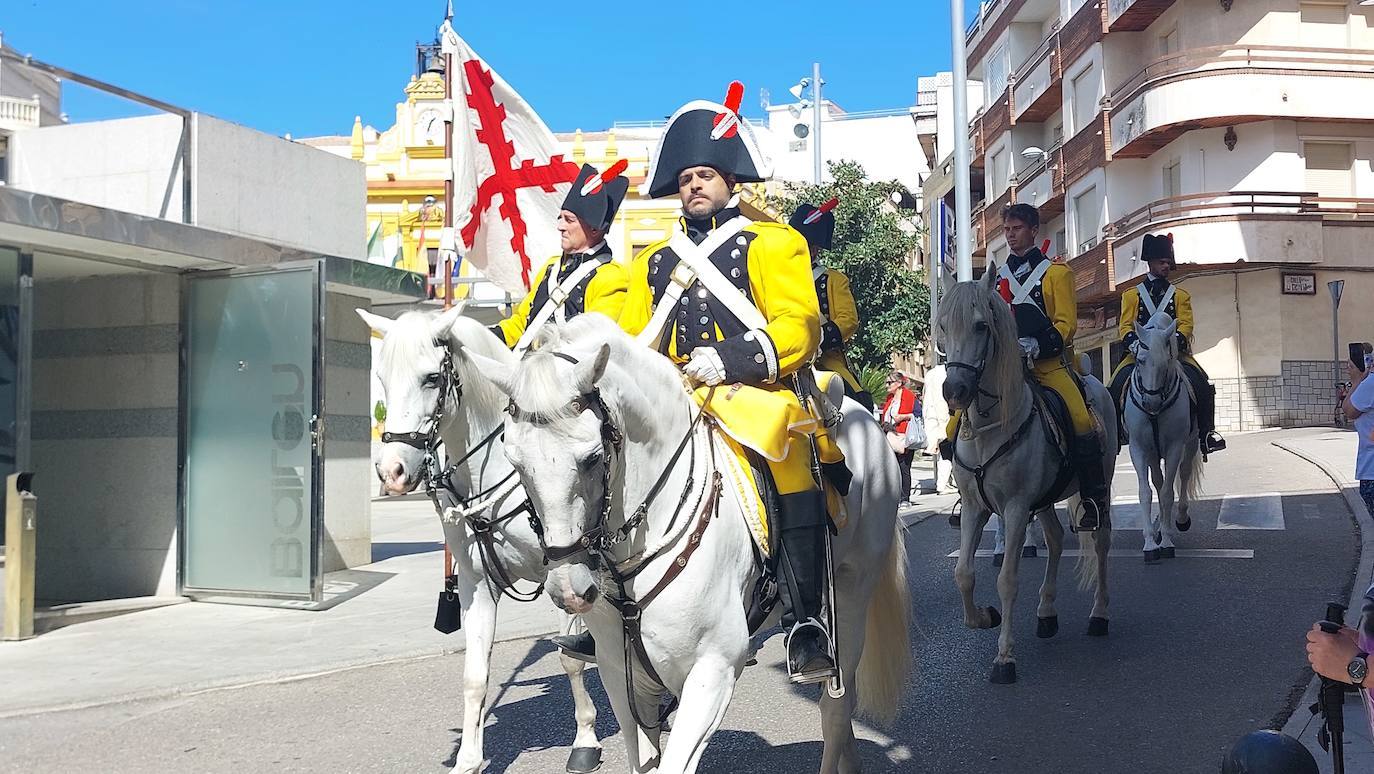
1203	649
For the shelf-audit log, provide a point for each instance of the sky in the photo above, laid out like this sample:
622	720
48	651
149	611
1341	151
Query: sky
306	67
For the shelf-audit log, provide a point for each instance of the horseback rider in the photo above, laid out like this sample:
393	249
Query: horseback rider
839	315
585	278
1156	294
732	303
1044	302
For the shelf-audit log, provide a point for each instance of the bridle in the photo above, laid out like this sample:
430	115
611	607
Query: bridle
989	347
439	480
600	541
1172	386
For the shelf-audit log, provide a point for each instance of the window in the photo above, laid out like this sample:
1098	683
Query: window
1057	134
1323	24
1060	247
997	173
1173	179
1086	211
1095	361
1168	42
1328	168
997	73
1084	89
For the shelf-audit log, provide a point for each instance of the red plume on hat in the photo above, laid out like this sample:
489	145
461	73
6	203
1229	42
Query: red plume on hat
727	123
593	185
821	210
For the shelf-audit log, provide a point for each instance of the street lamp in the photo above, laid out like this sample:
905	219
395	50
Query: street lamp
815	82
1336	286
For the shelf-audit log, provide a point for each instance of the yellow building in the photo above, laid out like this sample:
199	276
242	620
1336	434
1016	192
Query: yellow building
406	165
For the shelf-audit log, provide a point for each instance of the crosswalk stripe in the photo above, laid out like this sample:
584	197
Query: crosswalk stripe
1182	553
1256	511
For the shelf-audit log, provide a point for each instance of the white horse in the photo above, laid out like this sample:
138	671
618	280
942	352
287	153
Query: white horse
1008	463
1163	436
604	425
430	396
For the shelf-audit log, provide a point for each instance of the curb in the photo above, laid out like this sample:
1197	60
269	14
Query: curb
1364	564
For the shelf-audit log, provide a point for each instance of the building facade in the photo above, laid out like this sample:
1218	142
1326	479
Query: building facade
1243	129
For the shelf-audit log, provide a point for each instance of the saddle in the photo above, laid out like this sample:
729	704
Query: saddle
1054	416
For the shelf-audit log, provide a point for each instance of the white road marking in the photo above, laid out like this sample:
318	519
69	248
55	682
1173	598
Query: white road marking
1255	511
1182	553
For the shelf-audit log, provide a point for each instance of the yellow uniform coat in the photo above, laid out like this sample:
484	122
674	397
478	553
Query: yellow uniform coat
603	291
839	323
770	264
1179	308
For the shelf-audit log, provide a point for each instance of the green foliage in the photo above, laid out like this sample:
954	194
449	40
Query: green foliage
871	247
874	381
379	411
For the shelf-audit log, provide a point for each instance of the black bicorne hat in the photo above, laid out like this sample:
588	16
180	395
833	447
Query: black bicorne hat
817	224
1157	248
595	196
704	133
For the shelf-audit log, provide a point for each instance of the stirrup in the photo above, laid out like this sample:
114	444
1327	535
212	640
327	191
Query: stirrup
814	675
1096	524
1212	443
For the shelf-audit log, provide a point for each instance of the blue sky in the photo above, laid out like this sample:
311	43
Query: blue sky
307	67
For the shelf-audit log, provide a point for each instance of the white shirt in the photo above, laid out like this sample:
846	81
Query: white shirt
1363	399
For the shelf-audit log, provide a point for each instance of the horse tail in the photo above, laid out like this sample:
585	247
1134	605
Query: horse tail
1195	467
886	660
1087	568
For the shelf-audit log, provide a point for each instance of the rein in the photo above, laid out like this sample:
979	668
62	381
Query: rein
1174	387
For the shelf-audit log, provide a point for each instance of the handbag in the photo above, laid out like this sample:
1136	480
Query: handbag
896	442
916	433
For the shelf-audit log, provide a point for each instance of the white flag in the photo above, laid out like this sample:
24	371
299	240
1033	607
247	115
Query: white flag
509	180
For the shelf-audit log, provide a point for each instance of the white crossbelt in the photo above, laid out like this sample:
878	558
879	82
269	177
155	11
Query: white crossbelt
694	264
1021	292
1150	305
558	294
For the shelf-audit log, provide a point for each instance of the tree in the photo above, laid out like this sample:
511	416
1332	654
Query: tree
871	248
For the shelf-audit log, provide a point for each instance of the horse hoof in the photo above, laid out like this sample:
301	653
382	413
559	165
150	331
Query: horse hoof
1047	627
997	560
1097	627
955	521
1183	526
1166	552
994	618
1028	552
584	759
1152	556
1003	674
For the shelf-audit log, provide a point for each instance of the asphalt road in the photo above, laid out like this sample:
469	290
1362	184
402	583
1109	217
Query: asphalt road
1201	651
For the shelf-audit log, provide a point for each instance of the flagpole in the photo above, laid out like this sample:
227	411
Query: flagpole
963	219
448	222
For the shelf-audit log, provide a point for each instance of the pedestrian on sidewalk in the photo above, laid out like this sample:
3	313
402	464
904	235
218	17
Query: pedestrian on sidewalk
1359	408
899	409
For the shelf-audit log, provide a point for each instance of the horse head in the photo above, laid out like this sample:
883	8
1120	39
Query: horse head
1156	369
578	401
977	334
422	387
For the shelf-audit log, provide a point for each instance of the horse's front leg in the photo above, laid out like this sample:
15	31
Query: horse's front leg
970	532
1048	616
1166	503
705	696
1016	519
586	752
1148	531
479	628
1186	471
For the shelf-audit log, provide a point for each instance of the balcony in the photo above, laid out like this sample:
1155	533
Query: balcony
1084	29
1134	15
1036	92
1230	85
1042	184
17	113
980	233
1093	279
977	147
993	18
1087	150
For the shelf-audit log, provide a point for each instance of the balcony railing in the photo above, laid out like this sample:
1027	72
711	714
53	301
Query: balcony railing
1283	58
17	113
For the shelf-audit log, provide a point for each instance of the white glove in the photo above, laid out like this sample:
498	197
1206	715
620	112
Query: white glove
1029	347
1135	349
705	366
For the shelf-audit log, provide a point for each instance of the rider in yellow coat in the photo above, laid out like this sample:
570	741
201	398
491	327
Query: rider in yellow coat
839	314
586	215
1174	301
733	304
1044	302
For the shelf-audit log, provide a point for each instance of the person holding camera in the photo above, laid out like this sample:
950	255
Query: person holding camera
1359	408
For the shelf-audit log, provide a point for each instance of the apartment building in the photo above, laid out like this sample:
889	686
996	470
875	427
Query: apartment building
1243	128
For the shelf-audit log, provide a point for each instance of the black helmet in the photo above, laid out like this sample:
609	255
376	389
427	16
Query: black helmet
1268	752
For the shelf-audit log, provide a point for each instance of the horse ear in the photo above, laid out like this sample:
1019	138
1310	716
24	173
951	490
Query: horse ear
376	322
588	372
1173	328
1139	331
990	276
500	374
442	325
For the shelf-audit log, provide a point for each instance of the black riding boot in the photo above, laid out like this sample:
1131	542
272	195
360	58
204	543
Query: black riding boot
801	572
1208	438
1092	482
1118	390
579	646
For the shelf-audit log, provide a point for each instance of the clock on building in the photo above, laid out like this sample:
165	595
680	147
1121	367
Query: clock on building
429	127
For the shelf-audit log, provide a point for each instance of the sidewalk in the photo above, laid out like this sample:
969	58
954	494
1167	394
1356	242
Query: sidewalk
386	614
1334	452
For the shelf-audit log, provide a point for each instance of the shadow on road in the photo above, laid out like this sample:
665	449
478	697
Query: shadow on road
383	551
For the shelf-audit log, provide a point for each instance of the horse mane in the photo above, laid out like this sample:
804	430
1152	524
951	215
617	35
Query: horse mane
411	341
541	389
1003	370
